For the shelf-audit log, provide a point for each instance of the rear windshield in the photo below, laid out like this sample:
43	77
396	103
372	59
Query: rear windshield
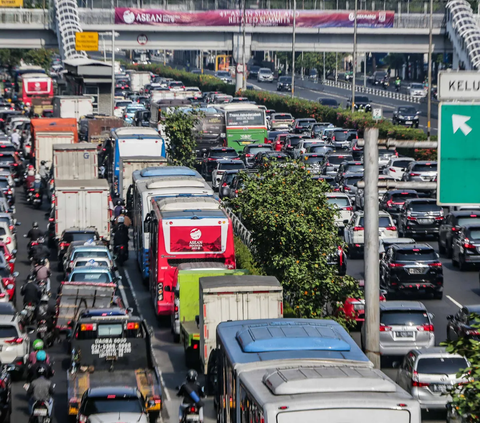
383	222
401	163
71	236
304	122
474	234
228	178
8	332
2	231
112	405
361	99
294	141
282	116
255	150
328	102
402	196
355	168
81	254
415	254
338	159
223	153
313	159
85	263
425	167
91	277
3	183
6	159
122	103
340	135
352	181
232	166
175	84
339	201
462	221
405	318
441	366
424	206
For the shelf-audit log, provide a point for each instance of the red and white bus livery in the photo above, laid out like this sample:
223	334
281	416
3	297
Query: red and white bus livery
36	86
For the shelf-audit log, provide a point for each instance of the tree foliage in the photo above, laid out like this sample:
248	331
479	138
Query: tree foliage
180	130
293	235
13	57
466	396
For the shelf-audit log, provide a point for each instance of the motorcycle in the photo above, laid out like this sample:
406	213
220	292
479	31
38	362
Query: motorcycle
397	88
385	85
37	199
121	254
28	314
44	334
191	414
31	244
40	413
30	194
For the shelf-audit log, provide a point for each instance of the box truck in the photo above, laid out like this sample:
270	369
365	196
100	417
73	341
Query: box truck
82	204
72	106
100	127
75	161
138	80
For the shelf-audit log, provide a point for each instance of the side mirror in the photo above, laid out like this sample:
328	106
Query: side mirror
168	288
197	320
431	315
419	112
146	226
384	292
15	274
14	252
450	317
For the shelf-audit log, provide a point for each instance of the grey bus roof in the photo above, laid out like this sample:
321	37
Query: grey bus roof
263	340
219	283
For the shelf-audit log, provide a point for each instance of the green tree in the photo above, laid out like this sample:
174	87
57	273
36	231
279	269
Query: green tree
39	57
466	396
180	130
294	233
11	57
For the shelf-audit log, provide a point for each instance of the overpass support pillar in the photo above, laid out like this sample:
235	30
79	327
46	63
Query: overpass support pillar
241	53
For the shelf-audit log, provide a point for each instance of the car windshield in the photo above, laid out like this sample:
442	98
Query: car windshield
75	236
231	166
285	79
175	84
401	163
328	102
338	159
313	159
80	254
416	86
467	220
402	196
424	206
355	168
407	110
340	135
441	365
386	153
404	318
112	405
294	141
361	99
383	222
338	201
223	153
415	254
90	277
430	167
228	178
276	158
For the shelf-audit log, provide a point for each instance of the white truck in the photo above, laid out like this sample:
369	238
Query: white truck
75	161
44	142
128	165
82	204
138	80
224	298
72	106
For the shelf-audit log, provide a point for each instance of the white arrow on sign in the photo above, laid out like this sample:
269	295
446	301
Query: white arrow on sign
459	122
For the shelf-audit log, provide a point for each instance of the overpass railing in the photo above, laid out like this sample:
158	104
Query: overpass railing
43	17
68	24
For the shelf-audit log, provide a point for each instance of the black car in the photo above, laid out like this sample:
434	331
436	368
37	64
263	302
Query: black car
460	324
262	159
250	151
466	246
253	72
284	83
362	104
451	224
213	155
411	268
226	183
393	200
406	115
419	216
329	102
303	125
142	118
74	234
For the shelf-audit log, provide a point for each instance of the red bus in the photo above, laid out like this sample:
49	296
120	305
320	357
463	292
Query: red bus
36	86
184	230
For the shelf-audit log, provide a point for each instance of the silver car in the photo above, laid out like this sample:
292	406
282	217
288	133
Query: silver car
421	172
265	75
404	325
428	374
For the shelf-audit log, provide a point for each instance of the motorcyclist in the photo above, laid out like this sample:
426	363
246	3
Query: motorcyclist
398	81
31	292
37	346
126	220
42	273
34	233
121	235
16	139
43	172
191	391
118	208
41	389
30	179
40	251
385	81
41	363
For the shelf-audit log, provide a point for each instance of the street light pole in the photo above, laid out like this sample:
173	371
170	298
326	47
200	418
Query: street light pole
293	46
113	72
429	88
354	54
244	83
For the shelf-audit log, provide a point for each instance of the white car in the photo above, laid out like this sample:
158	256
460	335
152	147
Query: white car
14	342
397	166
8	237
417	89
92	262
222	166
195	91
301	147
120	106
176	86
341	202
355	231
265	75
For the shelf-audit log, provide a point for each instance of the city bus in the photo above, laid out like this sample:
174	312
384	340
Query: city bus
184	230
159	187
245	124
35	87
300	370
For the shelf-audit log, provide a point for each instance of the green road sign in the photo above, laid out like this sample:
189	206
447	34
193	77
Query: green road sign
458	154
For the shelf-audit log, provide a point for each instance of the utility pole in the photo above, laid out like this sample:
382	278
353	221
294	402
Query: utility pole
429	88
293	46
113	71
244	81
372	285
324	67
354	54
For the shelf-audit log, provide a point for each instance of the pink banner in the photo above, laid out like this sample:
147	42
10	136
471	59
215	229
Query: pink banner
259	18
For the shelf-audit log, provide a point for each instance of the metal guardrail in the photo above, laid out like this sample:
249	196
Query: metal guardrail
373	91
403	143
239	228
402	185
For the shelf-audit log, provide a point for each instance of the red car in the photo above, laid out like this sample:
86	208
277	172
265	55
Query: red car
354	308
9	258
9	281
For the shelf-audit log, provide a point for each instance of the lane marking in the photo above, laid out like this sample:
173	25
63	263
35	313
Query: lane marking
454	301
167	395
134	295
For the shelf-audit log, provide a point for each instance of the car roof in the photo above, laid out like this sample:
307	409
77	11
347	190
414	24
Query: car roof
410	246
104	391
400	191
392	241
336	195
434	352
459	213
402	305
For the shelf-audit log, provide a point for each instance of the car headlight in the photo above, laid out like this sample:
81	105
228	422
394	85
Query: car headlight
401	117
415	118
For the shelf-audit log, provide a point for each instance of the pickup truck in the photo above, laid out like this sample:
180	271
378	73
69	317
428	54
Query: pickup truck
112	348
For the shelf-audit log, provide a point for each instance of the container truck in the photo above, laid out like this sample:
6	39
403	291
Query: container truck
138	80
72	106
75	161
128	165
47	132
100	127
82	204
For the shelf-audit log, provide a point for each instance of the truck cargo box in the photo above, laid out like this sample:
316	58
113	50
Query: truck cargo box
75	161
72	106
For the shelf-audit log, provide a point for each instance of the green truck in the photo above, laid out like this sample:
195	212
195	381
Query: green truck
185	320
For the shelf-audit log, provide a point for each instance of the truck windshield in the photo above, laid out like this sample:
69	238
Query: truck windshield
91	277
112	405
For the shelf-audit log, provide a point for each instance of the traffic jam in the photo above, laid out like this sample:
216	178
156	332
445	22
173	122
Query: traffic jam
98	233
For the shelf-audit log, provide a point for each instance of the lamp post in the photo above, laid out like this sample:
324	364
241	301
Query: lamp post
429	88
293	46
354	54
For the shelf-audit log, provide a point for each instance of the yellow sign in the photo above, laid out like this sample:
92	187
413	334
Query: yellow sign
11	3
87	41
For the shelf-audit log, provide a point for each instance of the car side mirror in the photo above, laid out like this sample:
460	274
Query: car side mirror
197	320
168	288
18	223
450	317
384	292
419	113
431	315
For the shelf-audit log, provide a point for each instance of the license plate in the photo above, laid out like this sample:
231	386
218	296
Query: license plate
415	271
40	412
425	221
408	122
42	329
193	418
404	335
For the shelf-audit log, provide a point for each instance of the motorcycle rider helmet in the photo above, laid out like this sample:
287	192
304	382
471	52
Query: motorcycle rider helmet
121	219
192	375
123	211
35	225
118	202
31	172
37	345
38	178
41	262
43	162
30	278
40	240
41	355
41	370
